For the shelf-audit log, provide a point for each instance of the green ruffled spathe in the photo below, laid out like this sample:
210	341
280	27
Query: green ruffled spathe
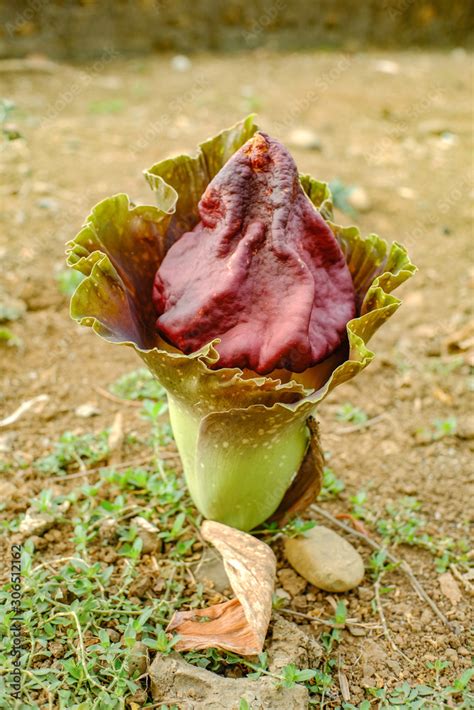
242	437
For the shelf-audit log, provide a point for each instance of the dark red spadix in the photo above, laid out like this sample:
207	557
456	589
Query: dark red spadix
262	270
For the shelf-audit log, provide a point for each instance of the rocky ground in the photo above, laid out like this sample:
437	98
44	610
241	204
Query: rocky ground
398	439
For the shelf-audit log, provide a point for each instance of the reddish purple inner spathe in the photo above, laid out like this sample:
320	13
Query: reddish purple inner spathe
262	270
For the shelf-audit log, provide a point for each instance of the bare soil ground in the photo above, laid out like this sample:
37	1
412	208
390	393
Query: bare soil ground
399	126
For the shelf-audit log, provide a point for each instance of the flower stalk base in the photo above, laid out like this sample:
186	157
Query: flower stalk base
236	476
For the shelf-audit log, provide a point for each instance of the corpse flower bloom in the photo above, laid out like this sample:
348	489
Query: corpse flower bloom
261	270
249	306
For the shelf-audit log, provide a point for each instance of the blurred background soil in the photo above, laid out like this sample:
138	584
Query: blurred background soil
396	125
77	29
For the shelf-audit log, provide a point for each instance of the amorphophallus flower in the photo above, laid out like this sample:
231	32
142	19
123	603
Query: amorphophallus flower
249	306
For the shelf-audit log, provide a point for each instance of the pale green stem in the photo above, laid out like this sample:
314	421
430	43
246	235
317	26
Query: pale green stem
234	478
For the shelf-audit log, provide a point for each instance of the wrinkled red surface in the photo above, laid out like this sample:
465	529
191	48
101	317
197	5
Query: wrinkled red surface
262	271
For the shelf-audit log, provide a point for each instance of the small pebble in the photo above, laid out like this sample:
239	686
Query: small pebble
291	582
300	602
148	533
113	635
325	559
137	662
57	649
108	529
451	654
140	586
394	666
406	192
365	594
386	66
181	63
87	410
37	523
281	593
426	617
359	199
465	429
304	138
357	630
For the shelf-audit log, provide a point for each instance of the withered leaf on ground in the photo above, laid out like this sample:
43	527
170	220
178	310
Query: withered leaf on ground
240	624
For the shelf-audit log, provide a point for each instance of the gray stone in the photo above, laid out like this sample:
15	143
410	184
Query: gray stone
138	659
37	523
325	559
86	410
176	682
210	569
291	644
148	533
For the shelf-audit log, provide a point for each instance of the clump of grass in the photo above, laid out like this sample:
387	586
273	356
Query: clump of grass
8	337
138	385
402	523
348	412
81	616
84	450
423	697
81	613
221	662
439	429
332	485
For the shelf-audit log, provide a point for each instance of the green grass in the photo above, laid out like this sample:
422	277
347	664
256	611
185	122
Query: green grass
83	608
8	337
332	485
88	606
138	385
83	451
439	429
427	697
348	412
403	523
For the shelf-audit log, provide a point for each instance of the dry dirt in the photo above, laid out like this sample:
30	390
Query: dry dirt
398	125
